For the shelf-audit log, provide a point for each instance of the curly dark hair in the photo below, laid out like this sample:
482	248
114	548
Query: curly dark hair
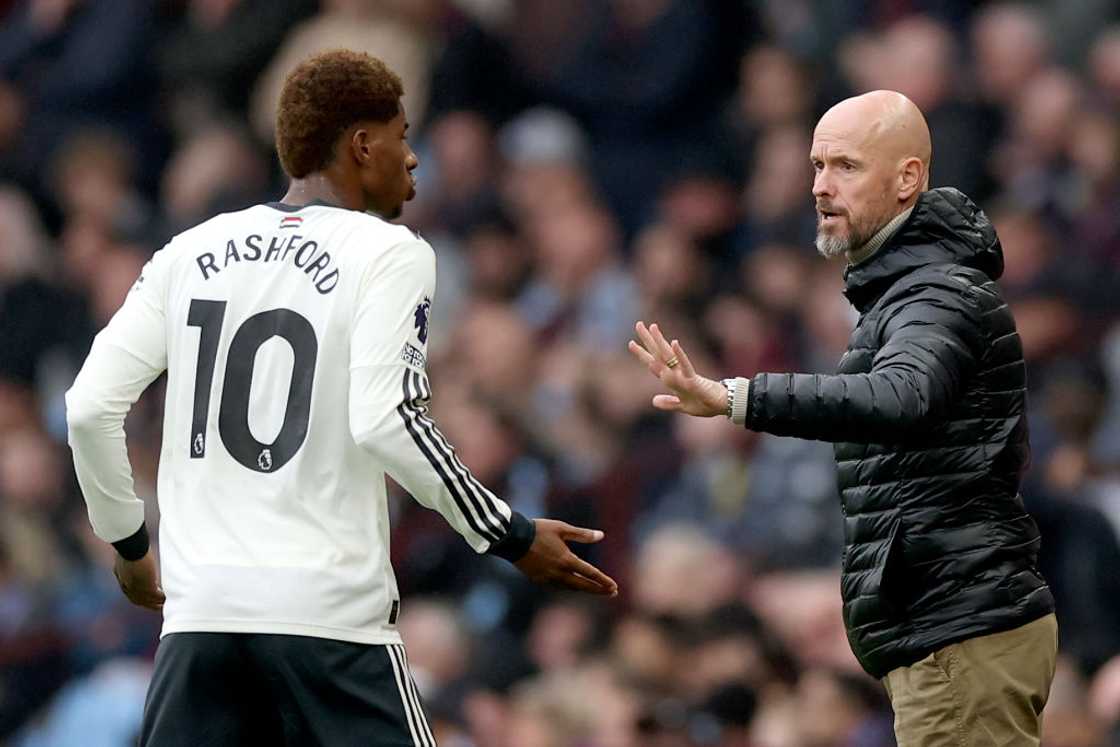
323	96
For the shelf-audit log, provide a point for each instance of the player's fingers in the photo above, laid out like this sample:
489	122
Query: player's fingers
579	583
588	571
152	603
580	534
663	348
669	402
686	364
152	599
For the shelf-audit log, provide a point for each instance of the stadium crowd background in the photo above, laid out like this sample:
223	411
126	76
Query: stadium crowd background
584	164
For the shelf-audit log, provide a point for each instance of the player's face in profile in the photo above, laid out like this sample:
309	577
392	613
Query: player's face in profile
387	175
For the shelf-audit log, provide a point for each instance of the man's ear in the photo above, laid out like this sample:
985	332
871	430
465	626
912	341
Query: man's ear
361	142
911	178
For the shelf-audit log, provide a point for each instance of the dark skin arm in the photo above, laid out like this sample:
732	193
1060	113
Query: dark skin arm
549	562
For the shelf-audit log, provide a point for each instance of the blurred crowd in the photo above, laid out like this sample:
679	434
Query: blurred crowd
584	164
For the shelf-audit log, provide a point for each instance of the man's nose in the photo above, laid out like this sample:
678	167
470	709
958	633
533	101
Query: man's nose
822	184
411	161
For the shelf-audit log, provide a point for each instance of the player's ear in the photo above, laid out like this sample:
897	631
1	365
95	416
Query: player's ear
361	143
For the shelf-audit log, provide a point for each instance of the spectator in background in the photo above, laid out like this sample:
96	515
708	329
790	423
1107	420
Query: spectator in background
1041	286
582	293
1104	65
768	498
546	155
24	295
684	572
847	711
1094	152
34	654
672	274
31	499
1032	166
72	63
774	91
439	647
1069	721
215	169
240	38
93	175
462	146
497	258
774	203
700	197
1010	47
644	78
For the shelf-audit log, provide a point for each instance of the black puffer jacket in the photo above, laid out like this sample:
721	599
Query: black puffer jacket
929	420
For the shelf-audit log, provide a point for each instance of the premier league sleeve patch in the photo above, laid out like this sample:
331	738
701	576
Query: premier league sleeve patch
420	319
412	354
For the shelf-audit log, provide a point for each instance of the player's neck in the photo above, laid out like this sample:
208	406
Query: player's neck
318	187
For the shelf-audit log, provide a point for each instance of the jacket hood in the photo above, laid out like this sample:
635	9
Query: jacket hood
945	227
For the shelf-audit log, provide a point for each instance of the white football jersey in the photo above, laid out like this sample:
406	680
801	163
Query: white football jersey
294	341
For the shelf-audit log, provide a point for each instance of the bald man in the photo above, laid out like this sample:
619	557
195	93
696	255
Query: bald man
943	600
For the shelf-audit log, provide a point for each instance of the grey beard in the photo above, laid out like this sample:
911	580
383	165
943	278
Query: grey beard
832	246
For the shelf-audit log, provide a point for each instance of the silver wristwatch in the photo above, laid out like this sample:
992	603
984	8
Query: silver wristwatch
738	389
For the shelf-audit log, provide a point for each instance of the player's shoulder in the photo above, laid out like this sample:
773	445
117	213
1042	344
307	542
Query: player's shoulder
386	236
384	243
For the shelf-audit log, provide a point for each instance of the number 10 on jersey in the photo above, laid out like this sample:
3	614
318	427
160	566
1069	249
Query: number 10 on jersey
233	410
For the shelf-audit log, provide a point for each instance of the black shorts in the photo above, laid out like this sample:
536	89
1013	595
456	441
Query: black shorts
238	689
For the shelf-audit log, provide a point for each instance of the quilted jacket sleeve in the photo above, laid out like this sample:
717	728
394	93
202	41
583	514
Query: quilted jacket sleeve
932	341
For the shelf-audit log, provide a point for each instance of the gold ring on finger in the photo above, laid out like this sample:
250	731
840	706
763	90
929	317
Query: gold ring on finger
672	362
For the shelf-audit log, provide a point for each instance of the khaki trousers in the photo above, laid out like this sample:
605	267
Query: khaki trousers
983	692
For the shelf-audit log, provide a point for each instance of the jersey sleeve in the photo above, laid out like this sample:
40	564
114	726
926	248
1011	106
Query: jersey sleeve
389	398
127	355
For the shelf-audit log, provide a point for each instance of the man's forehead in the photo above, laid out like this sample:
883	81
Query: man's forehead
840	130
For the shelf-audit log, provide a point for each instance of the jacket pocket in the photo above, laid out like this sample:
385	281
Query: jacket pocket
874	588
892	583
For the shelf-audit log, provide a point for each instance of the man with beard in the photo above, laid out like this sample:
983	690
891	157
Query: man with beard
943	600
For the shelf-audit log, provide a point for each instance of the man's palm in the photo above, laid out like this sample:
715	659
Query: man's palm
692	393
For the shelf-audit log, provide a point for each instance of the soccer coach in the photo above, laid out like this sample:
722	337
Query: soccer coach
943	600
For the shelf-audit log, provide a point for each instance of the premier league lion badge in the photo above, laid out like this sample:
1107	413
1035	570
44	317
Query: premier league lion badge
421	319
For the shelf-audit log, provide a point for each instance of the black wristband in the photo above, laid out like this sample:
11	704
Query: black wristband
517	541
134	546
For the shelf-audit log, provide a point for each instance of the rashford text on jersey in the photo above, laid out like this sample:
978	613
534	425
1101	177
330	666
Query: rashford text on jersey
304	256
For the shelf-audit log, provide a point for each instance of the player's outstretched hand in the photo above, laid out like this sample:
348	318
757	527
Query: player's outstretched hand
692	393
139	580
551	562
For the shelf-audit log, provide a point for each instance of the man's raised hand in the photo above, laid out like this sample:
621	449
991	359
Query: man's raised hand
692	393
